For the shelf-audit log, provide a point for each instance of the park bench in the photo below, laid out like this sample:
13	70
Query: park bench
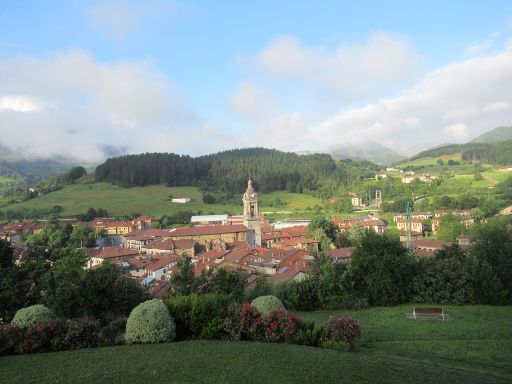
419	313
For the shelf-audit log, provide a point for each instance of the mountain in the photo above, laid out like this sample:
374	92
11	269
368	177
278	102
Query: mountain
495	136
24	170
367	150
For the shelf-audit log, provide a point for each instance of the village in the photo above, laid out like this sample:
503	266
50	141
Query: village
247	244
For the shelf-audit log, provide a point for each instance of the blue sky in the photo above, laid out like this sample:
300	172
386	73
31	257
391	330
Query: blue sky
196	77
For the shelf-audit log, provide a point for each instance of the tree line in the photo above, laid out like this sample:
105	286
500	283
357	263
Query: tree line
226	171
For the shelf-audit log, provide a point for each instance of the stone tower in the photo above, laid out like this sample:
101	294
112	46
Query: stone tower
252	216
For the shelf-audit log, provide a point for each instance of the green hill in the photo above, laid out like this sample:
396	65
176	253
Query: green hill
152	200
495	136
474	347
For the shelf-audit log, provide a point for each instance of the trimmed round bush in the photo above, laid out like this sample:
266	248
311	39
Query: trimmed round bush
267	304
344	329
28	316
150	322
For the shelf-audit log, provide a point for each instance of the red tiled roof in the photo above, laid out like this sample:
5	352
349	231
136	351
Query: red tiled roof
430	244
340	253
169	245
145	234
114	252
208	230
213	254
164	261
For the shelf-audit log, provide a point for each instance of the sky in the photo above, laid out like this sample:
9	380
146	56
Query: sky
93	79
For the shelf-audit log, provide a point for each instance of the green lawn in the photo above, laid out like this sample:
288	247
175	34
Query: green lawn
474	347
150	200
477	338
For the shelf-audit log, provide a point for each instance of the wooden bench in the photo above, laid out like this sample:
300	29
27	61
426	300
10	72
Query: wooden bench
422	313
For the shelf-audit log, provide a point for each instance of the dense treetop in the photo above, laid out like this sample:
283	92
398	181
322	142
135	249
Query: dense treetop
224	171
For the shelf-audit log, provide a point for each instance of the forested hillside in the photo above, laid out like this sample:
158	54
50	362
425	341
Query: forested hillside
224	171
228	171
491	153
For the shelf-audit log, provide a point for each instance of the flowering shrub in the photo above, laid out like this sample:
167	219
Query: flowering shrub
42	337
11	338
267	304
251	322
36	313
150	322
344	329
281	326
277	326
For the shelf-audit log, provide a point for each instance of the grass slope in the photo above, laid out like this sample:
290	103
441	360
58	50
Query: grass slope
474	347
478	338
150	200
224	362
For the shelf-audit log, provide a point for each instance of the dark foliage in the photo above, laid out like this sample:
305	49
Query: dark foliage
225	171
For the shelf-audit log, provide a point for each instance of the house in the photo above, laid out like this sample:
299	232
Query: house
287	223
297	243
394	170
97	256
144	222
464	240
120	227
408	179
427	178
414	215
140	238
210	220
184	247
416	225
357	202
428	247
212	236
456	212
371	223
414	236
162	267
18	230
340	255
181	200
133	265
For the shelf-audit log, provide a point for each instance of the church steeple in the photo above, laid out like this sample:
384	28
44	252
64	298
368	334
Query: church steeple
252	215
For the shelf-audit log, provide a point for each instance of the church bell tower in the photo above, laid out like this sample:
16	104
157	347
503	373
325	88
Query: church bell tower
252	216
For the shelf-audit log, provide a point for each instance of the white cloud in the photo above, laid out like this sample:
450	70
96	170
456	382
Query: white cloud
120	20
482	47
349	70
253	102
94	104
115	19
454	103
19	103
458	131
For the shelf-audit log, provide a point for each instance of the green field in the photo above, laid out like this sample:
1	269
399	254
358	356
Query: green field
474	347
427	161
150	200
498	176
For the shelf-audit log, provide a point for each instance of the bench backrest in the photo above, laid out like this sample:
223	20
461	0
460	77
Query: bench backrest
430	311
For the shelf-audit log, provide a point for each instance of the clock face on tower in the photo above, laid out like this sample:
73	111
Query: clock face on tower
253	195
